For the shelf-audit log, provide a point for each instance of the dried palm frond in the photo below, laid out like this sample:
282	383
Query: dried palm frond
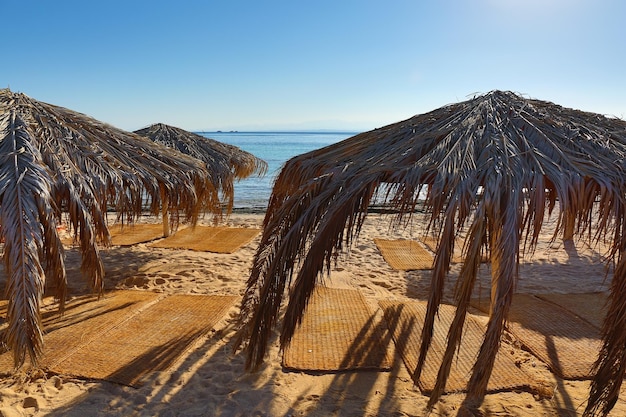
492	165
31	245
225	163
56	161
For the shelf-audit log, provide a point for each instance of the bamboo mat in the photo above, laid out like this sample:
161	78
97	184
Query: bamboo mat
129	234
125	335
457	257
405	254
588	306
405	320
84	319
209	239
568	344
431	243
338	332
132	234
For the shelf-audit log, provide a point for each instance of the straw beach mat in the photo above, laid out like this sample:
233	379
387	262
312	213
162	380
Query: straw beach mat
132	234
588	306
129	234
405	254
209	239
405	321
431	243
565	342
457	257
125	335
338	333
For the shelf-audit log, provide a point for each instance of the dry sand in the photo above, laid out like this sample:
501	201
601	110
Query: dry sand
210	380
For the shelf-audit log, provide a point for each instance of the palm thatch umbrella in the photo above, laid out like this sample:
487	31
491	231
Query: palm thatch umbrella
54	160
224	162
490	166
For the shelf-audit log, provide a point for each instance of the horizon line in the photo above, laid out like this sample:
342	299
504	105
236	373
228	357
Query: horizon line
279	131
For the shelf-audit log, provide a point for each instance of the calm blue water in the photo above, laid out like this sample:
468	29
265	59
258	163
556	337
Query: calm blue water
275	148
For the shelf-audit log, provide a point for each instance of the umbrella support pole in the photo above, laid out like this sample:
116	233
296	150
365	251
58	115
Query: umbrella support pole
568	226
166	216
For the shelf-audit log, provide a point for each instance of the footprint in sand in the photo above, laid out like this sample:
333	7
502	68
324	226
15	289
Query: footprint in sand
383	284
137	281
225	278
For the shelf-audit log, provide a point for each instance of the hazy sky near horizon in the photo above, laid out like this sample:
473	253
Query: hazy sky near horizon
335	64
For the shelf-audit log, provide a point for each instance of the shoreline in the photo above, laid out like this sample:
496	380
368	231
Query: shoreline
374	209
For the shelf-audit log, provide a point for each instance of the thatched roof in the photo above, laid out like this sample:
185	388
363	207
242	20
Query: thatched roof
224	162
491	166
53	161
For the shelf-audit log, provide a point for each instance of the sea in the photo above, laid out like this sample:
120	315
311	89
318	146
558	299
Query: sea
252	194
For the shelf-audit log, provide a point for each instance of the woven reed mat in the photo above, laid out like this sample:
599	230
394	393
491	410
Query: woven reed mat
405	254
132	234
457	257
588	306
209	239
405	321
568	344
431	243
129	234
84	319
338	332
125	335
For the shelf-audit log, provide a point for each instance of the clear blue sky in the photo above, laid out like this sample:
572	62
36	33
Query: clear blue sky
244	65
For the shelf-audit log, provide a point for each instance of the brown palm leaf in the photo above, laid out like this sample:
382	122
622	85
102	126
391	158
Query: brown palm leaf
492	165
225	163
56	162
31	245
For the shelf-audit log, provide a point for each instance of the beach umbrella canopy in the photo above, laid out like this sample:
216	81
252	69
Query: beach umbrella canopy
491	166
55	161
225	163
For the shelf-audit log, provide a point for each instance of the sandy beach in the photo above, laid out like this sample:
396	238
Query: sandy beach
210	379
